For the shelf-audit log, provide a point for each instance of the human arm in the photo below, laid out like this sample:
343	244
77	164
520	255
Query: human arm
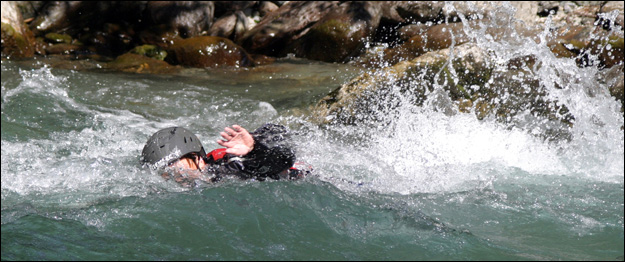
263	153
237	140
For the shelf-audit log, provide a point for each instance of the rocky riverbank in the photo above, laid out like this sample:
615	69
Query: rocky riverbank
399	40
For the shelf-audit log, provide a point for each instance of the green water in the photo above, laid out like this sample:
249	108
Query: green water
314	221
437	187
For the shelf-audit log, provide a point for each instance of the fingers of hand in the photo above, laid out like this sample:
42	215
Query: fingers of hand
238	128
231	131
224	143
226	136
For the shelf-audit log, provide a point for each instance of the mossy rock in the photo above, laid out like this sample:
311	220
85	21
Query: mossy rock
151	51
17	40
16	44
135	63
58	38
373	95
465	83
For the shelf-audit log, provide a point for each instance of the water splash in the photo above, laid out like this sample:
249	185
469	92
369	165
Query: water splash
435	148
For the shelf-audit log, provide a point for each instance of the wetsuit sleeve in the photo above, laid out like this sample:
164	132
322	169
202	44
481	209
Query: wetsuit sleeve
272	154
268	159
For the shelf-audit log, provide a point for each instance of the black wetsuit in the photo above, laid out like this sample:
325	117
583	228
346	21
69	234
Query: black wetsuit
272	157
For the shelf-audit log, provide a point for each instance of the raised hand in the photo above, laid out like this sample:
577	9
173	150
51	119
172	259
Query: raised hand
237	140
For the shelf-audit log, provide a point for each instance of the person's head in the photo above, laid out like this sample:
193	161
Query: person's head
171	146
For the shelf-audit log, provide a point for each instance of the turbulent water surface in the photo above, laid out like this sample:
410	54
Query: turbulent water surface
427	186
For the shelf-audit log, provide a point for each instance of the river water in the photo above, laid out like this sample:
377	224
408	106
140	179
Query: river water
429	186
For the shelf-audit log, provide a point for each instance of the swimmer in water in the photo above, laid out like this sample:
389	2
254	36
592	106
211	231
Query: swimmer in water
264	153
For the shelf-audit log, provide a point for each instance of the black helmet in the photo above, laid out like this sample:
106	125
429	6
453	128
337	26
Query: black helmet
168	145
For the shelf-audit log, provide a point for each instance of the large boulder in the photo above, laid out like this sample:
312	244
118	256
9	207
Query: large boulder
458	80
371	96
112	28
588	32
103	27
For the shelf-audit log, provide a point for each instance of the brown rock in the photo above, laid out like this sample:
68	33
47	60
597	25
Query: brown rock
207	51
63	48
161	36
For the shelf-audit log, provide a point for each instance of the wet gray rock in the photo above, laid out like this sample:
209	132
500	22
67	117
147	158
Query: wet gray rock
189	18
279	28
340	35
232	26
